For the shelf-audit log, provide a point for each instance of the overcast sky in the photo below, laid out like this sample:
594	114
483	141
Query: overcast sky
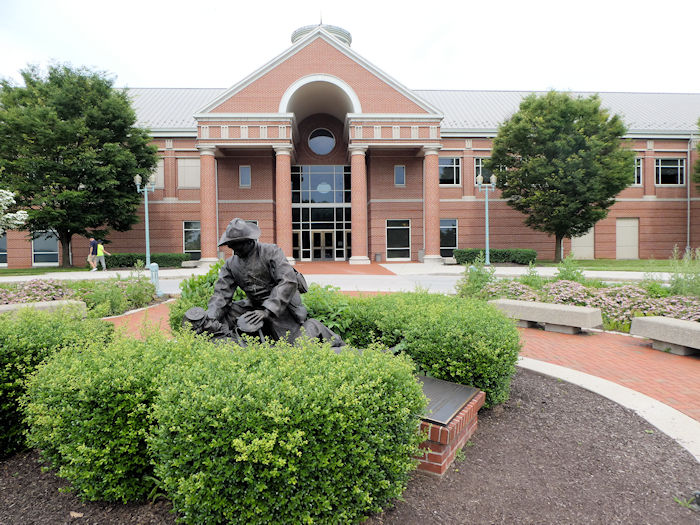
582	45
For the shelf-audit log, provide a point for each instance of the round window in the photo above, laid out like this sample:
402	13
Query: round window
321	141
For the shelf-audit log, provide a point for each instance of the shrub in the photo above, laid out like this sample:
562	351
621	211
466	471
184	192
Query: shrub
114	296
89	408
532	278
129	260
326	304
508	289
568	270
475	278
286	434
465	341
566	292
496	255
685	273
27	338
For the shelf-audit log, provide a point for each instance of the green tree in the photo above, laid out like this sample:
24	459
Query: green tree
562	163
69	150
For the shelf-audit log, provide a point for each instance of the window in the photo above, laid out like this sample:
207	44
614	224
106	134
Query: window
244	176
188	173
670	171
3	249
637	171
448	237
450	170
45	249
191	234
320	184
321	141
481	169
159	174
398	239
399	175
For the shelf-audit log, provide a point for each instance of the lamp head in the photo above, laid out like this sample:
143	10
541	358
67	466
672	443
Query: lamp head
479	180
494	179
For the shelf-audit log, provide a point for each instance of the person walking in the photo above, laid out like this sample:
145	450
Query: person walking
101	255
92	254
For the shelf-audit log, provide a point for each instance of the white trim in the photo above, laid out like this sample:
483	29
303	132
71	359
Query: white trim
368	118
394	200
320	77
252	201
248	117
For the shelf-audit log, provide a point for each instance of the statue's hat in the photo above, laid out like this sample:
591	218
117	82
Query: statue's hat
239	230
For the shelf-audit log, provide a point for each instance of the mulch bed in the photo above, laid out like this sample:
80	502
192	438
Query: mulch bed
555	453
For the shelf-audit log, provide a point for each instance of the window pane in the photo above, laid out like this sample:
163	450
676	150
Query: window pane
3	242
192	225
244	176
46	257
321	214
400	223
397	238
192	240
396	254
321	141
447	175
400	175
47	242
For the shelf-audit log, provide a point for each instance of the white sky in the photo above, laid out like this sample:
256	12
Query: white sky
583	45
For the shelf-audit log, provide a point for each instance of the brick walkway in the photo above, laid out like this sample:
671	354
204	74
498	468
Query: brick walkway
628	361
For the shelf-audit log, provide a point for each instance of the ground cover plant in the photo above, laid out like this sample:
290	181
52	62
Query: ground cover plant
619	303
27	338
103	298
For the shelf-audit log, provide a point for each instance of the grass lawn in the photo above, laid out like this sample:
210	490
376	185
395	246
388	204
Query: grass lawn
6	272
638	265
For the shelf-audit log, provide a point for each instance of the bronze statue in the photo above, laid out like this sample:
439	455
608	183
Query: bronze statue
273	307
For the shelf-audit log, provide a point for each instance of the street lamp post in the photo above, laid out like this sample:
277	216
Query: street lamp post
490	186
148	186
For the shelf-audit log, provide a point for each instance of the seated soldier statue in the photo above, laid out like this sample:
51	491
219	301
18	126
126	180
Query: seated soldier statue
273	307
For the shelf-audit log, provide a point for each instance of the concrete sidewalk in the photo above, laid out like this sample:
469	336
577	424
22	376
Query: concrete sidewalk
404	274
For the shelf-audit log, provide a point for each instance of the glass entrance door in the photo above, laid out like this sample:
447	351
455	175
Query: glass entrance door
322	245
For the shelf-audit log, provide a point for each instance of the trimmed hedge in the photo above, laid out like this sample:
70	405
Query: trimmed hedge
89	412
461	340
129	260
284	434
496	255
27	338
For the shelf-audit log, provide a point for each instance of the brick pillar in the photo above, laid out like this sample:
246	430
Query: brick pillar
358	182
431	204
283	199
169	172
207	203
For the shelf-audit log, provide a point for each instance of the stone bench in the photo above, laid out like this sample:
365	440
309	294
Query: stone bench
47	306
562	318
674	335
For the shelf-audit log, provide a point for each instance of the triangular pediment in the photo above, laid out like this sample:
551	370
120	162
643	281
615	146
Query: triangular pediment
319	53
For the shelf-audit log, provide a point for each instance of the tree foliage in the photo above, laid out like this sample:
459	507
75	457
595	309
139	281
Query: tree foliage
9	221
69	150
562	162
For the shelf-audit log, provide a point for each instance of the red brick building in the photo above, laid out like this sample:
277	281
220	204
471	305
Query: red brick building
336	160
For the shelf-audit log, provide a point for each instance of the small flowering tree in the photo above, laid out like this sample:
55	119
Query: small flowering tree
10	221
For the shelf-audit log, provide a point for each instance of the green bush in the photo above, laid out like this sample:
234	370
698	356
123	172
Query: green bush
568	270
685	273
465	341
88	411
114	296
496	255
27	338
129	260
475	278
328	306
286	434
196	291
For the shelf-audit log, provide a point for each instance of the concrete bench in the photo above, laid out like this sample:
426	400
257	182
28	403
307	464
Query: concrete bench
562	318
190	264
674	335
47	306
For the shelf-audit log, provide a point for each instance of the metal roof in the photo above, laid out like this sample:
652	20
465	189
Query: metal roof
641	112
161	109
